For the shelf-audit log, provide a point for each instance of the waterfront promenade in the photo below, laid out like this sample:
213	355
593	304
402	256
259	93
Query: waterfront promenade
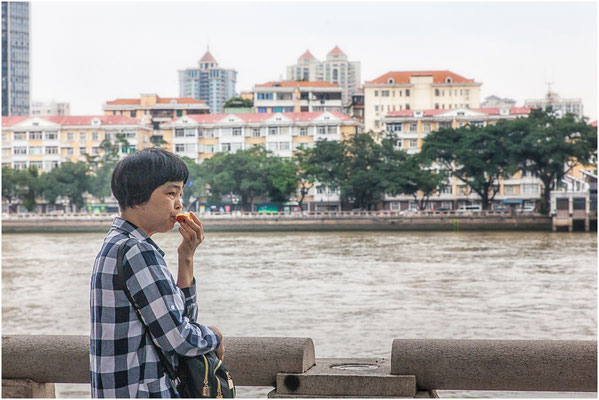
303	221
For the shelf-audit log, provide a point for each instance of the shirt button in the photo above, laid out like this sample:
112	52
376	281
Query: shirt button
173	307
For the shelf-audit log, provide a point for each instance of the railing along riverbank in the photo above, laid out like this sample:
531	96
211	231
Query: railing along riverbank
417	368
304	221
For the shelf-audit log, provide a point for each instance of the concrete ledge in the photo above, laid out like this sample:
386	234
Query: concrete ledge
520	365
359	377
253	361
26	389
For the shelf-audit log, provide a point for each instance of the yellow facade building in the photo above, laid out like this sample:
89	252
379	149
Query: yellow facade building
416	90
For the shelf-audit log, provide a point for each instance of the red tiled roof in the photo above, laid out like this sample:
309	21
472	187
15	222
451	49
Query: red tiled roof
207	57
298	83
180	100
70	120
594	123
433	112
404	76
10	121
259	117
336	51
307	55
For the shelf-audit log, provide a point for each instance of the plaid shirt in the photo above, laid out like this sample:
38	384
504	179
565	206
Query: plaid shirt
123	361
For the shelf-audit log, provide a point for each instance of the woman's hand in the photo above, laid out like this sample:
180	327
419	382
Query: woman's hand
193	234
220	352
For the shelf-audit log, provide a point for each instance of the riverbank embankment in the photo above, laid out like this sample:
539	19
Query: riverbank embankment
303	222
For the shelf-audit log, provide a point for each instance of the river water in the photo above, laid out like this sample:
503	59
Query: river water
352	293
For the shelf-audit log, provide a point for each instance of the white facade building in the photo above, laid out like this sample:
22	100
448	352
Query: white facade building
335	69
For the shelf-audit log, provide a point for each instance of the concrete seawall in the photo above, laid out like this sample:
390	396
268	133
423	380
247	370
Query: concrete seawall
449	223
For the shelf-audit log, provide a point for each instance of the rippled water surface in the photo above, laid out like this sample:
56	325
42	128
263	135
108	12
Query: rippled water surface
352	293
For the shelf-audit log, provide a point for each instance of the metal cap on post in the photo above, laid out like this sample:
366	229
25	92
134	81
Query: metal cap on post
527	365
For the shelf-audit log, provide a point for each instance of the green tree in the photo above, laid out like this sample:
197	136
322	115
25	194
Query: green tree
363	180
237	173
478	156
410	174
549	147
70	180
238	102
196	184
103	166
306	173
281	176
10	190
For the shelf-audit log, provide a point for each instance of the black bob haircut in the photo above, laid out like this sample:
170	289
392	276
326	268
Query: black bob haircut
136	176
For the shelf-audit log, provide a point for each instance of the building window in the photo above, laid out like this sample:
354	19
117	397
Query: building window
82	150
273	130
35	136
508	190
225	147
191	148
272	146
376	123
132	113
428	127
384	93
190	132
407	106
331	129
209	148
37	164
436	92
446	189
376	93
82	136
413	127
52	150
21	150
236	132
95	151
530	188
20	164
69	151
51	135
408	93
284	145
303	131
179	132
395	127
179	113
236	146
36	151
95	135
179	148
19	136
321	130
376	108
256	132
413	143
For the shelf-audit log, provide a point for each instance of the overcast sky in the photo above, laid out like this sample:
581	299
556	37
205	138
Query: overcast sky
88	53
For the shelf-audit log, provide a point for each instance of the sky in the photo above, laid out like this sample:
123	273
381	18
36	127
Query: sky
87	53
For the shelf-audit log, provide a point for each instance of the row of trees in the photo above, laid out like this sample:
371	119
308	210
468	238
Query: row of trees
364	168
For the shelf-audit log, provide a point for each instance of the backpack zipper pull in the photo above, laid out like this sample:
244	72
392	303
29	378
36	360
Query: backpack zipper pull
229	380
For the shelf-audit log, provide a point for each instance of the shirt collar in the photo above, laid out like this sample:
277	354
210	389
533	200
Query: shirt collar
130	229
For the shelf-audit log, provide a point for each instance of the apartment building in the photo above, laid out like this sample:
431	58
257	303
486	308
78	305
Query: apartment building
200	136
208	82
297	96
334	69
416	90
412	126
556	103
153	110
40	108
46	142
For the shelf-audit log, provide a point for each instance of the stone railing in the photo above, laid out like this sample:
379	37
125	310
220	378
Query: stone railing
32	364
287	215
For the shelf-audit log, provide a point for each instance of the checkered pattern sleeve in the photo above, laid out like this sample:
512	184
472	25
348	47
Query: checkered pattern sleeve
166	310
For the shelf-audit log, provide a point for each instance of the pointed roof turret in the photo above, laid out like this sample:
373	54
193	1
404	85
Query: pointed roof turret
207	57
307	56
336	51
